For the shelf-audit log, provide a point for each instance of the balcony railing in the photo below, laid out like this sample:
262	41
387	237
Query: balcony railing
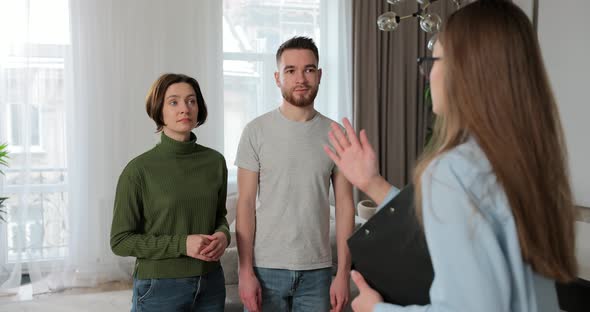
36	217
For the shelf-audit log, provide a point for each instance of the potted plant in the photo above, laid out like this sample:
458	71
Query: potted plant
3	162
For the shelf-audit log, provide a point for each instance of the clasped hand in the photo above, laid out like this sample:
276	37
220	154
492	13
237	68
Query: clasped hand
206	247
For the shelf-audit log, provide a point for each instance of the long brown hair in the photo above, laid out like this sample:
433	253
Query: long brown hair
497	91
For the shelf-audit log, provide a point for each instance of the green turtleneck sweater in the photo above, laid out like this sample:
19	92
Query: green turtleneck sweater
171	191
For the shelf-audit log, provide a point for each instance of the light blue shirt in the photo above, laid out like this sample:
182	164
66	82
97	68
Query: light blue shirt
473	241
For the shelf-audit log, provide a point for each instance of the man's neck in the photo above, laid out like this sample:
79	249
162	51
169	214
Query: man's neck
296	113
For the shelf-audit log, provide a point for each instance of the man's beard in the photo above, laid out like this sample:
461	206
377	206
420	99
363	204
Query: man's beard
301	101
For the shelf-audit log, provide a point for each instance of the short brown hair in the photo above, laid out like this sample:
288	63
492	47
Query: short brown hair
303	43
154	100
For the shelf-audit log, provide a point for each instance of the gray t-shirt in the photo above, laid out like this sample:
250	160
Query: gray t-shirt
293	213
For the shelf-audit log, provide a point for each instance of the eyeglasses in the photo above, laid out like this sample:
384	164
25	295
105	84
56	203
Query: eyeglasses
425	64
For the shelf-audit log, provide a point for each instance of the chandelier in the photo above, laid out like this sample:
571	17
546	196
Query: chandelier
429	22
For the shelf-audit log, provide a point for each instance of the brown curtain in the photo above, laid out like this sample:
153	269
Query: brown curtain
388	90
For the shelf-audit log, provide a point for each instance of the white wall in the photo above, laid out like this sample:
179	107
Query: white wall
564	33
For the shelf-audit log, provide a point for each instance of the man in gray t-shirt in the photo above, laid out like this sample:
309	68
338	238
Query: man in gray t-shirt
283	245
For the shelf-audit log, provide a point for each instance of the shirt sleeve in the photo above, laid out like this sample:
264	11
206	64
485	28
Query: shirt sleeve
471	273
247	156
393	191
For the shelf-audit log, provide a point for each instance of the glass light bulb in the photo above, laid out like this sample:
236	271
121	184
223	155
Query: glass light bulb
394	2
387	21
430	23
431	42
423	2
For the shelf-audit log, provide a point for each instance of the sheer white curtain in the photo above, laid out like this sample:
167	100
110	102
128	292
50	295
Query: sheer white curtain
117	49
34	41
335	95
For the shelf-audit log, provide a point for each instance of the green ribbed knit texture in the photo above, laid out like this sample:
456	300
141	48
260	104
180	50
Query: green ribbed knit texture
163	195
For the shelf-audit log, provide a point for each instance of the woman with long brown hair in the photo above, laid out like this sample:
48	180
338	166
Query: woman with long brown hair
493	190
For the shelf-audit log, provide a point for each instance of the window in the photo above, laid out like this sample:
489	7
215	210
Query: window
33	93
34	44
252	32
16	118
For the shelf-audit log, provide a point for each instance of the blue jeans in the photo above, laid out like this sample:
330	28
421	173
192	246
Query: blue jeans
199	293
297	291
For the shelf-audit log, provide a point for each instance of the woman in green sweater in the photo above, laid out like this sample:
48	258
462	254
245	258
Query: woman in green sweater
170	208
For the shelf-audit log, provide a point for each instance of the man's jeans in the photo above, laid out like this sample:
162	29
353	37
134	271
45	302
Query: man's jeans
297	291
199	293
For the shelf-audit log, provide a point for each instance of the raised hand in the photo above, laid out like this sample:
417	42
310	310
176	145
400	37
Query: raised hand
355	158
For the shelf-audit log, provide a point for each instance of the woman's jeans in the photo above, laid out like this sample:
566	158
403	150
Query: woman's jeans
200	293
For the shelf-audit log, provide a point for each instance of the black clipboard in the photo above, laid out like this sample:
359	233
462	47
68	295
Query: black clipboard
391	253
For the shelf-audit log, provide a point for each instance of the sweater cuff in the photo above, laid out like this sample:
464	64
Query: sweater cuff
225	230
182	245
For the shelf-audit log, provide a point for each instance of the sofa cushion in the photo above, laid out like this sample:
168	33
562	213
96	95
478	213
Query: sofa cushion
231	204
229	262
